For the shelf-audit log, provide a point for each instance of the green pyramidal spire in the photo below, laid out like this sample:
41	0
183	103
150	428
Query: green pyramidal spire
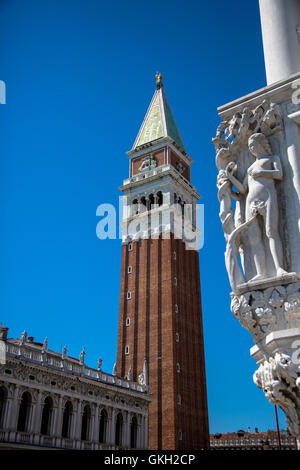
159	121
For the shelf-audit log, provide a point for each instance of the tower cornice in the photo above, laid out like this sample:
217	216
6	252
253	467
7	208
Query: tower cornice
158	144
159	173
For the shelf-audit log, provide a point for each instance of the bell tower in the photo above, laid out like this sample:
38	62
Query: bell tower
160	336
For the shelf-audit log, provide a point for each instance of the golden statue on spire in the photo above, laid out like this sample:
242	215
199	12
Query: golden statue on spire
158	79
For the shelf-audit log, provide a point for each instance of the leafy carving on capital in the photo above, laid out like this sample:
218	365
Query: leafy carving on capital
271	309
279	378
234	133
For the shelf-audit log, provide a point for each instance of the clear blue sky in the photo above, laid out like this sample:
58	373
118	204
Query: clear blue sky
79	77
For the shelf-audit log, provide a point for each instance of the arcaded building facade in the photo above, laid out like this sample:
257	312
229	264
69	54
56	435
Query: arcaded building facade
50	400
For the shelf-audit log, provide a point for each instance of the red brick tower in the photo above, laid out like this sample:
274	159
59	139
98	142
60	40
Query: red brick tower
160	318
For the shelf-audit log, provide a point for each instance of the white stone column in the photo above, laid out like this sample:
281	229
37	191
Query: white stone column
279	22
36	414
59	416
35	427
139	433
78	421
53	418
112	425
73	425
127	430
15	405
95	436
146	432
91	425
142	431
7	410
10	421
30	416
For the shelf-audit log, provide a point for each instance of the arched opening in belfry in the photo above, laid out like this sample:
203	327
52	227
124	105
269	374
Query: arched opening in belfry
67	419
119	429
46	416
134	207
103	426
85	425
151	201
143	204
24	412
159	198
133	433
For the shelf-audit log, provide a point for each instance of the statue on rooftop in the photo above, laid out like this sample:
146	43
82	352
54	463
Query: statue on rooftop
81	357
24	337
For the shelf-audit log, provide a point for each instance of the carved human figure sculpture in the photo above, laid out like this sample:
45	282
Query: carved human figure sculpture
261	198
225	193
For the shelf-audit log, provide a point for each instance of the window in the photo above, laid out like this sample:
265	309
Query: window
174	254
126	350
135	207
46	416
129	269
178	367
129	246
176	308
151	202
119	429
178	399
85	426
177	337
133	433
67	416
128	295
127	321
24	411
175	281
180	435
159	198
103	426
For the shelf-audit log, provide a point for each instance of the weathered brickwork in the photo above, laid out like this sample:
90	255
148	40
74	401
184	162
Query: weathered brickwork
171	340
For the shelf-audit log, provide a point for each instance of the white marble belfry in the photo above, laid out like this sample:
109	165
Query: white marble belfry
258	160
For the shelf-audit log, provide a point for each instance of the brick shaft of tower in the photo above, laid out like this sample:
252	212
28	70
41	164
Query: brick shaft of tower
160	316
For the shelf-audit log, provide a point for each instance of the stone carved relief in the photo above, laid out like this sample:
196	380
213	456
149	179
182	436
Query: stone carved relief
271	309
249	169
149	163
279	378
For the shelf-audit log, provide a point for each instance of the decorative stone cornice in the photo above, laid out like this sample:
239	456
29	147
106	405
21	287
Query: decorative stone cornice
272	309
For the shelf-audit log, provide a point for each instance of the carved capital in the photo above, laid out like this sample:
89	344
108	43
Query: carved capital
271	309
279	378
